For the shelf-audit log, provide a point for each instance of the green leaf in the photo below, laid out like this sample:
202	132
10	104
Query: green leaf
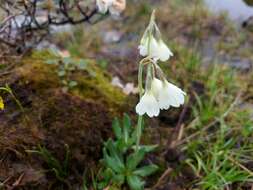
147	148
126	127
114	152
106	175
134	159
146	170
116	128
119	179
135	182
247	129
103	185
112	163
127	122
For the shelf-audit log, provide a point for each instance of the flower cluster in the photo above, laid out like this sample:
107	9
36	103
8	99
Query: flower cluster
115	7
159	93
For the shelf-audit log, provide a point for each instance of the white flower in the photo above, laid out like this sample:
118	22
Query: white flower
170	95
115	7
148	104
157	50
148	46
156	87
102	6
163	52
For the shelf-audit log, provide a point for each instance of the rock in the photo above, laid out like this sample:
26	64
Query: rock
112	36
80	119
128	88
239	63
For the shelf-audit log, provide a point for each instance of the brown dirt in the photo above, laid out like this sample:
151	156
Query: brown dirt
51	119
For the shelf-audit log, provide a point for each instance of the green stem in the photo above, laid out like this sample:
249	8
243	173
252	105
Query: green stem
149	77
140	85
139	124
139	131
140	80
8	90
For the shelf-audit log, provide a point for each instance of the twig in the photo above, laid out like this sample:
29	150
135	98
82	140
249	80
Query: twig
19	180
240	165
163	176
21	23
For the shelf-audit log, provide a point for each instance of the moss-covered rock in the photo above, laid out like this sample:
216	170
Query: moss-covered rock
80	118
93	82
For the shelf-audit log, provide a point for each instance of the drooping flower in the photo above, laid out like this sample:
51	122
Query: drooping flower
170	95
159	94
157	50
149	47
148	104
115	7
163	52
156	87
167	94
103	5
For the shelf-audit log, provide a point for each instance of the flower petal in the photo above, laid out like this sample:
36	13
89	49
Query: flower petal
148	104
170	95
164	51
156	87
103	5
140	108
143	50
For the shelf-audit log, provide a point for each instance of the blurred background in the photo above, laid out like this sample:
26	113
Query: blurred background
71	70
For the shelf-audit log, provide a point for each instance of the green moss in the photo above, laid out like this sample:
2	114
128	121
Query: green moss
98	85
93	82
32	70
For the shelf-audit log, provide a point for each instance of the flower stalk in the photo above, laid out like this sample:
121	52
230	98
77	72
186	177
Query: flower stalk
140	117
158	94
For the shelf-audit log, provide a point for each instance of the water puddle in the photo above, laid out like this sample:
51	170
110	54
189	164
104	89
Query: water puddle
237	10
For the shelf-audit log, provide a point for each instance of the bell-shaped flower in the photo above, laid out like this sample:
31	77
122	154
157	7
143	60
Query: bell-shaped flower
155	49
156	87
170	95
148	46
115	7
163	52
103	5
148	104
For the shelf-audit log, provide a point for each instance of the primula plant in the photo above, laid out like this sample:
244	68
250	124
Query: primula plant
122	159
123	156
158	92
